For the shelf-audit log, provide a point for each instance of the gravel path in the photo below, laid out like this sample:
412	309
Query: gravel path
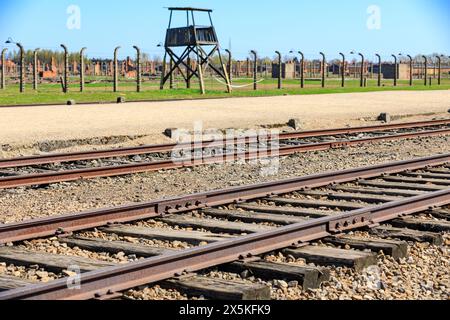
422	275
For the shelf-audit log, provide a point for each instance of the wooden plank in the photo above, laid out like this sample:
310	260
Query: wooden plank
351	196
427	175
440	214
8	174
396	249
213	225
380	191
421	224
298	212
252	217
218	289
439	170
334	257
307	277
192	237
397	185
9	282
440	182
50	262
342	205
128	248
407	234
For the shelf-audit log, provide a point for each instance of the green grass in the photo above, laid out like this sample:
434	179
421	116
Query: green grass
101	91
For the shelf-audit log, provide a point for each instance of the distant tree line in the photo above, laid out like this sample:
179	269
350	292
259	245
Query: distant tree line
45	56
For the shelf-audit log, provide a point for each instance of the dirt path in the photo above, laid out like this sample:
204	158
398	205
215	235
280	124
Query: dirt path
31	124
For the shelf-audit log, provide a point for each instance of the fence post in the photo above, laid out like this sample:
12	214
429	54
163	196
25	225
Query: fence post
188	73
116	71
280	70
410	70
230	65
425	70
171	74
22	67
82	69
302	70
379	69
255	68
439	70
138	69
35	68
2	70
395	70
342	70
247	65
363	61
324	61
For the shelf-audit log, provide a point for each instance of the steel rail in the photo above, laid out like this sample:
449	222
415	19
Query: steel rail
121	152
108	281
95	218
108	171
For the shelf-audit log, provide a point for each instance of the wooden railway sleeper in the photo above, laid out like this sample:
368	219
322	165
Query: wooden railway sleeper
343	224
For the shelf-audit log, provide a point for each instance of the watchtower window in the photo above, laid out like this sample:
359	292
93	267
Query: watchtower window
190	36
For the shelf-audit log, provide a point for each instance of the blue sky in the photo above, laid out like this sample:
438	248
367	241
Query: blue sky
411	26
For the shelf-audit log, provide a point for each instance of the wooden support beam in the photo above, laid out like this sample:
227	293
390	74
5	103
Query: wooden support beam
214	225
427	175
440	182
50	262
114	247
396	249
253	217
192	237
218	289
298	212
9	282
341	205
440	214
407	235
307	277
378	191
351	196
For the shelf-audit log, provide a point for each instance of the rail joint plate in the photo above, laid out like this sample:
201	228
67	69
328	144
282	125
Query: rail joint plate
179	205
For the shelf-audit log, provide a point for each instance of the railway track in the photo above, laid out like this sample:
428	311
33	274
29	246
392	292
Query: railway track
233	228
47	169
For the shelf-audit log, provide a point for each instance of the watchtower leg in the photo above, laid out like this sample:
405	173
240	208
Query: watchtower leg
163	74
188	73
200	71
171	73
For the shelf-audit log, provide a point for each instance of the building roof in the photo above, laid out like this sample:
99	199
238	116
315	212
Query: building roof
188	9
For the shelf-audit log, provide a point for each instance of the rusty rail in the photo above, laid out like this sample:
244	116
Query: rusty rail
109	281
120	152
109	171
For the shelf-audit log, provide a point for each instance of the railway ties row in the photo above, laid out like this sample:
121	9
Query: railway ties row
231	222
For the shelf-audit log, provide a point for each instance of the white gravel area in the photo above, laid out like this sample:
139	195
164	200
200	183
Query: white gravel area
22	204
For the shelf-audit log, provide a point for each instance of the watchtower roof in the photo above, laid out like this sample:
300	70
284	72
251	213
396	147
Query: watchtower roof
189	9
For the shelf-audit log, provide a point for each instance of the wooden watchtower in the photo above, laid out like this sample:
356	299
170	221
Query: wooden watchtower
200	41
